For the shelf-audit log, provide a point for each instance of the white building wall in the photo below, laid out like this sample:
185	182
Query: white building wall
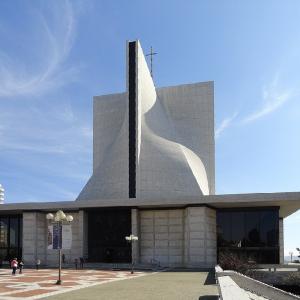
35	228
110	149
200	237
178	237
34	237
161	235
190	109
281	241
172	144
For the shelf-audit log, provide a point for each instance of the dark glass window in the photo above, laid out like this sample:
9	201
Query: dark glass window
269	228
237	229
106	235
3	253
252	229
250	233
10	237
3	232
224	232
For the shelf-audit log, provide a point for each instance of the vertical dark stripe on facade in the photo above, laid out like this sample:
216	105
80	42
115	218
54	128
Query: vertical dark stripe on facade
132	119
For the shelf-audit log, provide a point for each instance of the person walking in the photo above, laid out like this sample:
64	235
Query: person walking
81	259
21	265
76	263
14	265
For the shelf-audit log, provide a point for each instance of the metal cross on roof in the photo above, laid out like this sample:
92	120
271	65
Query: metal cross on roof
151	54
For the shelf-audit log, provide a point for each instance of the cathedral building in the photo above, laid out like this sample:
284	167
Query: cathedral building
153	176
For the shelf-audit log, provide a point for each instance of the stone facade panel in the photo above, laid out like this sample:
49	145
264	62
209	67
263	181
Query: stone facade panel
179	237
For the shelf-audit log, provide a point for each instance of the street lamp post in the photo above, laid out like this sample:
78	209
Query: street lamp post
58	219
131	239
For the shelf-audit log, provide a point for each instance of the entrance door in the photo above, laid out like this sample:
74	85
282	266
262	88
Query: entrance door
107	229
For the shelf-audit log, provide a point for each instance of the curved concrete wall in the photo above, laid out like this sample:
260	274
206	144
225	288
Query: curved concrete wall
174	140
110	154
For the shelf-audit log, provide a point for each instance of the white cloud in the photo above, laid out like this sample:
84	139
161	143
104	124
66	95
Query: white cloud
56	40
273	99
224	124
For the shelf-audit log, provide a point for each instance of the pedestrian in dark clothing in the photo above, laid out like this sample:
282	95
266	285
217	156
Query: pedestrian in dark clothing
63	257
76	263
21	265
14	265
81	262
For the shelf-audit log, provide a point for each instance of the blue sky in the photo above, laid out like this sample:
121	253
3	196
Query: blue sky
55	55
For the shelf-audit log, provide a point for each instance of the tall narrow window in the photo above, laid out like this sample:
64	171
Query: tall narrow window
14	232
132	119
3	232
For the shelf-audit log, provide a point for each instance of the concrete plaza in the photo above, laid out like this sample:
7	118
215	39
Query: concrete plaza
36	284
106	284
175	285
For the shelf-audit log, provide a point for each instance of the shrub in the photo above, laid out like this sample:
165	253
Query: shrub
292	279
230	261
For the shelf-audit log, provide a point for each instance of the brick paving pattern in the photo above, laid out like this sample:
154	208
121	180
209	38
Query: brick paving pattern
33	284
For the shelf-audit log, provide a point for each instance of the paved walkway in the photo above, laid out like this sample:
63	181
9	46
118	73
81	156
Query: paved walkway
103	285
180	285
34	284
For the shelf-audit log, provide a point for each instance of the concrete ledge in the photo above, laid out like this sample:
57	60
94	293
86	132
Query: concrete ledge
260	288
229	290
256	287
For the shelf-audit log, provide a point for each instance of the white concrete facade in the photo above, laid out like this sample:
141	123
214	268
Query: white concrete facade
174	143
281	241
35	239
168	237
178	237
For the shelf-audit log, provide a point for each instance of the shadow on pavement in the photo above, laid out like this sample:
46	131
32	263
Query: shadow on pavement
208	297
194	270
210	279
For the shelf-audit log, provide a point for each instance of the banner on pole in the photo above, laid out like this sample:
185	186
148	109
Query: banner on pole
50	237
59	237
66	237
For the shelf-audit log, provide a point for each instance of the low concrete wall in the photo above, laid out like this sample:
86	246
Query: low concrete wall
229	290
261	289
256	287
